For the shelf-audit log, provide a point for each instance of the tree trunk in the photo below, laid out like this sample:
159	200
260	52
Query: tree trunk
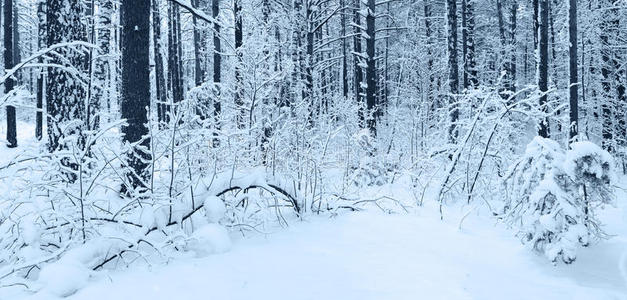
9	63
344	46
359	75
512	46
65	96
503	52
574	80
199	72
543	41
239	77
371	70
174	57
102	60
453	69
217	65
428	11
160	85
465	15
314	108
41	43
136	86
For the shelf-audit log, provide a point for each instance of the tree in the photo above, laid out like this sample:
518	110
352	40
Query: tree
429	40
239	76
160	84
9	63
453	76
199	72
468	42
371	69
612	77
344	47
136	87
512	45
573	88
41	43
65	95
543	64
217	63
174	54
101	87
359	75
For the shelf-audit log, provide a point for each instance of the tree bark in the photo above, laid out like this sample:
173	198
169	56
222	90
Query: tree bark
371	70
160	85
359	75
239	77
453	69
468	41
217	65
103	59
574	80
9	63
41	43
65	96
543	41
199	72
136	87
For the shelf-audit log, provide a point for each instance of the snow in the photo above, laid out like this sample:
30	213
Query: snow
210	239
371	255
214	209
360	255
63	278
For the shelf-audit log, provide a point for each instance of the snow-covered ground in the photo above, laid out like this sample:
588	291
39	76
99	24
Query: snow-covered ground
372	255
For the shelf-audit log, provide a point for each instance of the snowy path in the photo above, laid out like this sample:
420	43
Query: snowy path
374	256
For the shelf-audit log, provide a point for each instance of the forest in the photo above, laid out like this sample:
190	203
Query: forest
159	135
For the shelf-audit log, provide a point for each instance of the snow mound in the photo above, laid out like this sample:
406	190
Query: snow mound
210	239
63	278
214	209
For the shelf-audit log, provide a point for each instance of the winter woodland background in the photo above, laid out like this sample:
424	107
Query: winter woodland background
447	137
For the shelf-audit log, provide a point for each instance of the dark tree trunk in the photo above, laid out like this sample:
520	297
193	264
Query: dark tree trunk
543	64
536	24
160	85
239	76
41	41
344	46
65	96
465	15
371	70
174	57
503	49
136	86
309	60
385	89
9	63
217	64
428	10
199	72
359	75
178	48
512	46
508	47
102	61
314	108
453	69
612	72
574	80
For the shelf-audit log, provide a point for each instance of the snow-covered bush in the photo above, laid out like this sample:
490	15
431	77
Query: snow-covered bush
551	194
371	169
